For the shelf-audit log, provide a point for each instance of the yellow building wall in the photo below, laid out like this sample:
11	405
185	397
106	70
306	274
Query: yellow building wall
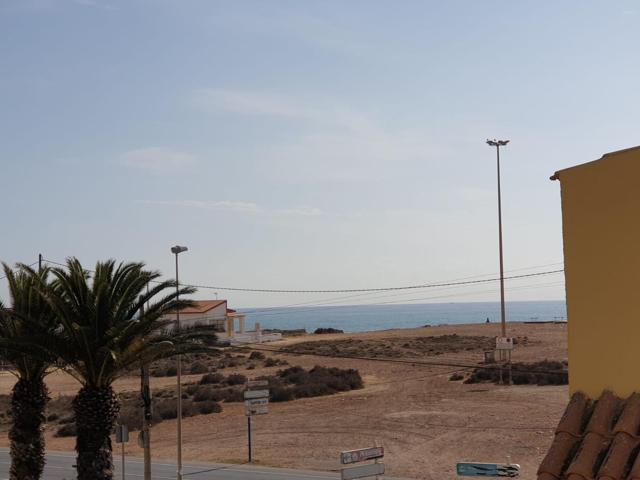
601	230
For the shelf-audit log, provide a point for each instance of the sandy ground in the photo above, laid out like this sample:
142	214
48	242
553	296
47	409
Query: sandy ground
425	422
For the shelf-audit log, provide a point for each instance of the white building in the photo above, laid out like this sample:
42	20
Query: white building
230	323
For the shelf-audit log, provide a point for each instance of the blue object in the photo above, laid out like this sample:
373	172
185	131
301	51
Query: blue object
467	469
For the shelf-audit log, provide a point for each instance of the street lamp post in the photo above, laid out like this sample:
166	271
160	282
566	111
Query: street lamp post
503	321
178	250
498	144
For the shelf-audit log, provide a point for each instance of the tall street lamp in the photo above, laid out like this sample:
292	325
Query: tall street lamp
178	250
498	144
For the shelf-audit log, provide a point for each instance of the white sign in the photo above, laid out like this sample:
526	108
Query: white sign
255	402
257	384
354	456
250	411
361	471
256	394
504	343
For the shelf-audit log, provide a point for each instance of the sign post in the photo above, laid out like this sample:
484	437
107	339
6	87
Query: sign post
256	402
504	345
362	455
122	437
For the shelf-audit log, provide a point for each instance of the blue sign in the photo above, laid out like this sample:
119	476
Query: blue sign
467	469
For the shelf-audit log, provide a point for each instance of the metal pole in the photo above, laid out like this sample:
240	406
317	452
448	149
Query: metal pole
145	395
179	386
249	436
123	461
502	309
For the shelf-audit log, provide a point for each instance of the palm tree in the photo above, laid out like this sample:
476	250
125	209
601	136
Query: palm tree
101	338
28	315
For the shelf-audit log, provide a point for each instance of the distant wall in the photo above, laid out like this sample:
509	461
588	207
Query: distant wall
601	231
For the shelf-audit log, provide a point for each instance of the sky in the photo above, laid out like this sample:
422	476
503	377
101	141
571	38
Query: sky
307	145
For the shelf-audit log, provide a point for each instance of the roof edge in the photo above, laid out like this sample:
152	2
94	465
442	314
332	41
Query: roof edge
556	175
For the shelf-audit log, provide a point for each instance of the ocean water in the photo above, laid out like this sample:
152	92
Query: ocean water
360	318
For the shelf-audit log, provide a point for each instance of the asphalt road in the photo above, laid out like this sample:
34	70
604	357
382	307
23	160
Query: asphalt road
60	467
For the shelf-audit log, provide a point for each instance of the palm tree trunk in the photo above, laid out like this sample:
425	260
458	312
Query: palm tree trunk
28	400
96	410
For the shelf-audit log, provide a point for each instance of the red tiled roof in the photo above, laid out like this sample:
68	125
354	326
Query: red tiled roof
203	306
596	440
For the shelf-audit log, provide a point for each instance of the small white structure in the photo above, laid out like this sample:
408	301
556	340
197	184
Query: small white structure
216	313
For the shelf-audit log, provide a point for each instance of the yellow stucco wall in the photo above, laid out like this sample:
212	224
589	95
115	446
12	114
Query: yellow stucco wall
601	230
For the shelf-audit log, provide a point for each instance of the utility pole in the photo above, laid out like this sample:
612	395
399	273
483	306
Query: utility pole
39	262
145	396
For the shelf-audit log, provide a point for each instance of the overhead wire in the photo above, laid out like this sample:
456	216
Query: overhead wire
367	294
359	290
16	269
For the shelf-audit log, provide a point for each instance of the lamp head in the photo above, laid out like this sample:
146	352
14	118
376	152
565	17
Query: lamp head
497	143
178	249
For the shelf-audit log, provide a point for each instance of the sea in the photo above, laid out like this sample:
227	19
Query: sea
362	318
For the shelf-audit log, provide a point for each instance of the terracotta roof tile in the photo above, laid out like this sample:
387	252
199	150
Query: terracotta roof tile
596	440
604	414
629	421
575	415
588	458
555	463
201	306
634	474
616	463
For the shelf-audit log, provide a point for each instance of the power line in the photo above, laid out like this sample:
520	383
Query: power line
380	289
16	269
367	294
357	290
276	311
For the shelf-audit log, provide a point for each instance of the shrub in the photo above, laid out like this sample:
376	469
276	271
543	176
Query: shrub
198	367
320	331
236	379
208	407
204	394
295	375
191	388
270	362
281	394
539	373
296	382
455	377
256	356
67	419
166	410
67	430
210	378
231	394
131	416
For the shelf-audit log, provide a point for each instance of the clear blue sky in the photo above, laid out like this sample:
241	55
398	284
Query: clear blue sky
289	144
